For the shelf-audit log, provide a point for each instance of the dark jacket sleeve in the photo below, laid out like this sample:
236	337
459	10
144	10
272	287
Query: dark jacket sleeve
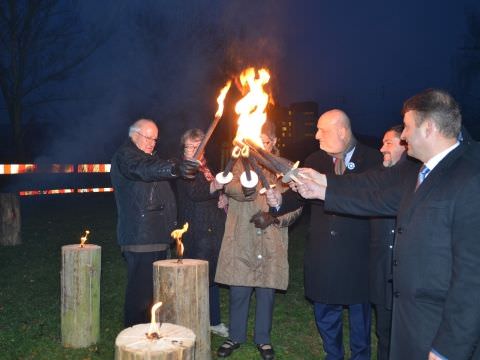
373	193
135	165
198	189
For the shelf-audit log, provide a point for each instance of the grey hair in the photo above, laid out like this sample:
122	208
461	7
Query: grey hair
137	126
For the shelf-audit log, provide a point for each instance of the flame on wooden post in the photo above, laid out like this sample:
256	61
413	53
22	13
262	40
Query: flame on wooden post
177	235
84	238
154	329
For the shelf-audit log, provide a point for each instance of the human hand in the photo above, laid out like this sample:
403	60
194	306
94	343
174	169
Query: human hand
215	186
263	219
274	197
188	168
222	201
433	356
310	189
309	173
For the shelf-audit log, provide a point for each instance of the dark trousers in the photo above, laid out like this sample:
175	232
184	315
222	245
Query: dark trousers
139	292
383	327
329	323
214	294
239	304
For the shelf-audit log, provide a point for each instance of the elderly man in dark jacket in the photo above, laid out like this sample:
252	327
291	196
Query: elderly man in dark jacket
146	212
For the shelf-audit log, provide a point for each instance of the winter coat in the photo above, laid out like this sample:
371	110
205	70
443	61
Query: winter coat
206	221
337	248
250	256
146	207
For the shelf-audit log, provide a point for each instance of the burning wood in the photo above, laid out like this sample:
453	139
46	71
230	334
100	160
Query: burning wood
177	235
277	164
84	238
218	115
154	329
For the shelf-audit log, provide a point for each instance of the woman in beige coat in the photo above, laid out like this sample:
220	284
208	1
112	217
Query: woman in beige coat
252	258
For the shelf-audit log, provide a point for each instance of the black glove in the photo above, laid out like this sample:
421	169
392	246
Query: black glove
249	191
263	220
187	168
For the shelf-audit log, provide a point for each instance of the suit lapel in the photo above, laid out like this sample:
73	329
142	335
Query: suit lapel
412	198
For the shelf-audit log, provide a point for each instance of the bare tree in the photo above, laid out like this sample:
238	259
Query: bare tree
42	42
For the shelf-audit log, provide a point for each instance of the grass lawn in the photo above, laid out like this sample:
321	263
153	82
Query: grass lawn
30	286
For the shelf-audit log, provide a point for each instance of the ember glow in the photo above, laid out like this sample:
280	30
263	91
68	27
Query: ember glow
83	239
154	328
177	235
251	107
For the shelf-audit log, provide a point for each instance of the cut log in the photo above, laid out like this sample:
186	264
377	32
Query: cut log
174	343
80	277
183	290
10	220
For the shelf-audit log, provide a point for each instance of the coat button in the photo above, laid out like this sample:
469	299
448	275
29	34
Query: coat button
400	230
396	294
259	256
393	231
395	262
333	232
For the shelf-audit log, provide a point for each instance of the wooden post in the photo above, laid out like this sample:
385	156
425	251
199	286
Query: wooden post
175	343
81	267
10	219
183	289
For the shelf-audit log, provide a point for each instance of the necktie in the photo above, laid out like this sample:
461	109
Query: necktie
339	165
422	174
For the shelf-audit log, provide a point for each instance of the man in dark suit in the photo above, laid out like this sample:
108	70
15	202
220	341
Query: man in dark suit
437	251
336	251
381	249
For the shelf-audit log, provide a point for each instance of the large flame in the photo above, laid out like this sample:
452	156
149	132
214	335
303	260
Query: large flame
177	235
84	238
221	99
154	329
251	108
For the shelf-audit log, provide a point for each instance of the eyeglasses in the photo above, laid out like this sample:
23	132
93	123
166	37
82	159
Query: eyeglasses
146	137
190	147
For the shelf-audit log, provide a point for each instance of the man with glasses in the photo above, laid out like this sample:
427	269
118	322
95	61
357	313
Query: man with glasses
146	210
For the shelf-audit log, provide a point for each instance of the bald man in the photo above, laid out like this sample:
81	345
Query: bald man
336	250
146	212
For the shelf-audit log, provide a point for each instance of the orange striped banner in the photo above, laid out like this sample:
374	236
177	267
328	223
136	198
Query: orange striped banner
46	192
95	190
93	168
11	169
8	169
65	191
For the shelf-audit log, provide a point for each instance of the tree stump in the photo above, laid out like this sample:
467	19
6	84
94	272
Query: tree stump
80	277
175	343
10	220
183	290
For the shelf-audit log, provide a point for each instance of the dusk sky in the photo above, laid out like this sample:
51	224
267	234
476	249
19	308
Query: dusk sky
167	59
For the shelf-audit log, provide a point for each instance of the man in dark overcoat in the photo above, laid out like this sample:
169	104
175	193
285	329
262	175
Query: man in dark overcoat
337	247
146	210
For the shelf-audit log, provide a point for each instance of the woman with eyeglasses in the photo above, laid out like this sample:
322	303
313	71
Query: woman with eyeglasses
203	207
253	257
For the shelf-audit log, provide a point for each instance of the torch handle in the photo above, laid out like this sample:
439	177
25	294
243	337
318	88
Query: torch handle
246	167
201	148
259	172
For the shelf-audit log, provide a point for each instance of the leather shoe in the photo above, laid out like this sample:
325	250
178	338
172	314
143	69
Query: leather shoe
266	351
227	348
